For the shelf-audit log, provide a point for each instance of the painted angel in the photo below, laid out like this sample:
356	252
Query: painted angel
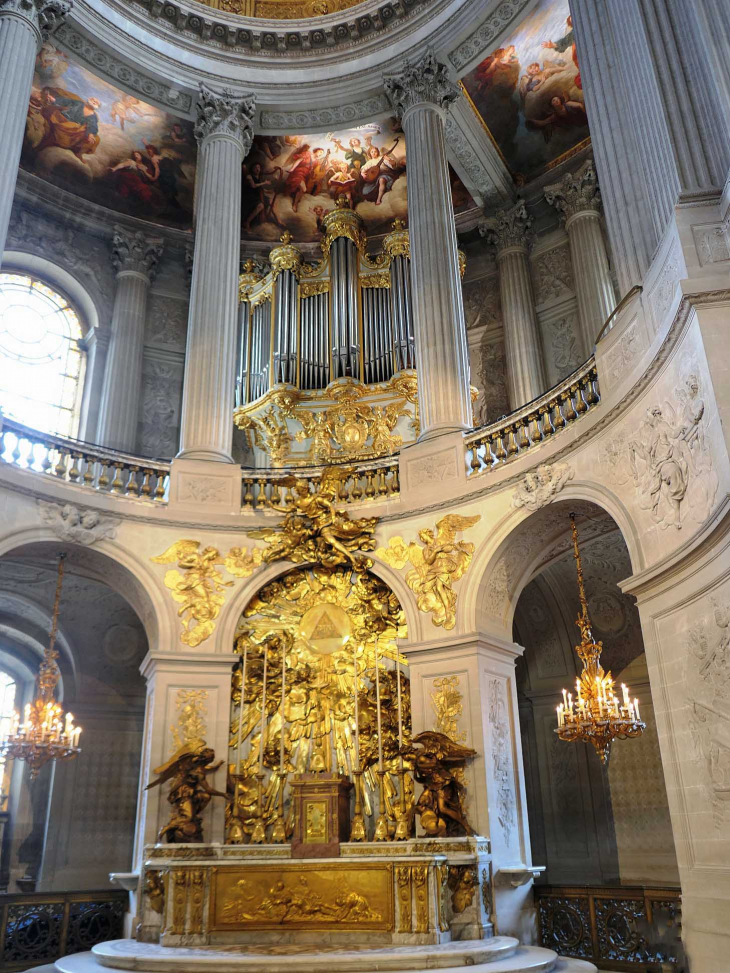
190	792
437	565
435	766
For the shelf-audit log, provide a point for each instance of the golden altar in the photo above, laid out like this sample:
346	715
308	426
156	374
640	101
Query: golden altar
420	891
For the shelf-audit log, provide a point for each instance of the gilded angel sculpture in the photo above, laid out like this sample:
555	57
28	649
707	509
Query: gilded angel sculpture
313	530
436	566
190	792
440	805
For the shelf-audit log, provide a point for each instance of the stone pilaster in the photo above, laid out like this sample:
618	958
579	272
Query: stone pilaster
420	96
578	199
224	131
24	25
135	257
509	233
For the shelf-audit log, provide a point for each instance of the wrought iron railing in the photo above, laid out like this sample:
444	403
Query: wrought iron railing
84	464
39	927
495	444
359	483
623	928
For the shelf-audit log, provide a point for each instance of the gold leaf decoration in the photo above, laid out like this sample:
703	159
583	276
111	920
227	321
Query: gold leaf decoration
448	707
437	564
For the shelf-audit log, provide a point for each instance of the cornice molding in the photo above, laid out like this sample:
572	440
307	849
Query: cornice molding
284	121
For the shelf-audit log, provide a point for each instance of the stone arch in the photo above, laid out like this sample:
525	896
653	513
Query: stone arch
111	564
233	609
522	541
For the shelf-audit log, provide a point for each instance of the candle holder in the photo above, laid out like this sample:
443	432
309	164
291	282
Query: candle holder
278	833
402	827
358	822
258	835
381	825
236	834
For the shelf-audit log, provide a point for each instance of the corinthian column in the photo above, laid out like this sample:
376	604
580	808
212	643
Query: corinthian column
135	259
224	132
420	97
508	232
24	25
577	197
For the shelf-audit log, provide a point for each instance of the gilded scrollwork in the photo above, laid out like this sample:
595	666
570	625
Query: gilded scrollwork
437	564
190	725
343	222
376	280
463	882
154	890
448	706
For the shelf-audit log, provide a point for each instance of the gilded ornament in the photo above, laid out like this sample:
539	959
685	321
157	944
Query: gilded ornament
191	725
310	288
197	587
405	896
190	792
487	889
376	280
179	878
241	563
196	883
462	263
343	221
437	765
448	707
313	530
420	886
154	890
441	874
463	882
285	257
397	243
436	566
248	281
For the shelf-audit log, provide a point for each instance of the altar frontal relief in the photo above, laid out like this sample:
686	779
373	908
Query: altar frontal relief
89	138
529	94
304	896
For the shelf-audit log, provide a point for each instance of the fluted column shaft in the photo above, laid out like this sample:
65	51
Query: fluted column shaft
23	27
508	232
135	258
224	134
578	199
420	97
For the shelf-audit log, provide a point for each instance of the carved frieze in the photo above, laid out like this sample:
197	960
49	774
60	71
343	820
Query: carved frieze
77	524
540	487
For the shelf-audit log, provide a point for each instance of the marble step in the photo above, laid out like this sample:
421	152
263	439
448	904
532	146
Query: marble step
498	955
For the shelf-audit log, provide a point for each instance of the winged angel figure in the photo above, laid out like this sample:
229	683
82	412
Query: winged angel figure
436	766
436	566
313	530
190	792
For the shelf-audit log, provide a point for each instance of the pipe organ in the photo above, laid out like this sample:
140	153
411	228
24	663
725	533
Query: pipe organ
326	350
346	316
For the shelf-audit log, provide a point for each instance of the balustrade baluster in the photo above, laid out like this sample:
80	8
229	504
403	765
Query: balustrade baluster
103	480
60	467
396	479
369	488
534	428
160	487
569	412
475	463
88	477
117	484
589	392
132	485
500	453
74	472
247	492
382	487
512	446
146	489
356	491
275	493
547	426
47	463
580	406
523	439
261	495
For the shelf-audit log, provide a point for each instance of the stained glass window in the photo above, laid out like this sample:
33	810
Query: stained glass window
41	358
7	705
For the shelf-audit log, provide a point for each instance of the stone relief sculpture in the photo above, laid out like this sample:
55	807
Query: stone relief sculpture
77	525
669	460
708	698
541	486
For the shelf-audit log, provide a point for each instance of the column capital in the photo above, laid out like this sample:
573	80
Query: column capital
426	82
510	228
577	192
46	16
133	252
221	113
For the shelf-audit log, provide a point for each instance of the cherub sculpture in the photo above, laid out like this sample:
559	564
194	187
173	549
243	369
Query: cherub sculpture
313	530
190	792
440	804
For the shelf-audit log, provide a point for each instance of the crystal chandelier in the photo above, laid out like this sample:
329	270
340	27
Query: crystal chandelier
596	715
44	734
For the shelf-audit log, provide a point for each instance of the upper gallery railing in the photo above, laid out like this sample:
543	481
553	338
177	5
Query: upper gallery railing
497	443
107	471
84	464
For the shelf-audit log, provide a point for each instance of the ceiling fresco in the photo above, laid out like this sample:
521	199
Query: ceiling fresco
528	93
291	181
88	137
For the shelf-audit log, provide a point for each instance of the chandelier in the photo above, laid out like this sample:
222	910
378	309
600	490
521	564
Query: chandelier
44	734
596	715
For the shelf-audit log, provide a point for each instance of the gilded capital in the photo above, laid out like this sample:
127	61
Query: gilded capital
577	192
509	228
45	15
343	221
221	113
397	243
135	252
286	256
425	82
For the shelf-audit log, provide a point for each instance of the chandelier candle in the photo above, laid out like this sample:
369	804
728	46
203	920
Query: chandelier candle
381	825
258	835
597	716
357	832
